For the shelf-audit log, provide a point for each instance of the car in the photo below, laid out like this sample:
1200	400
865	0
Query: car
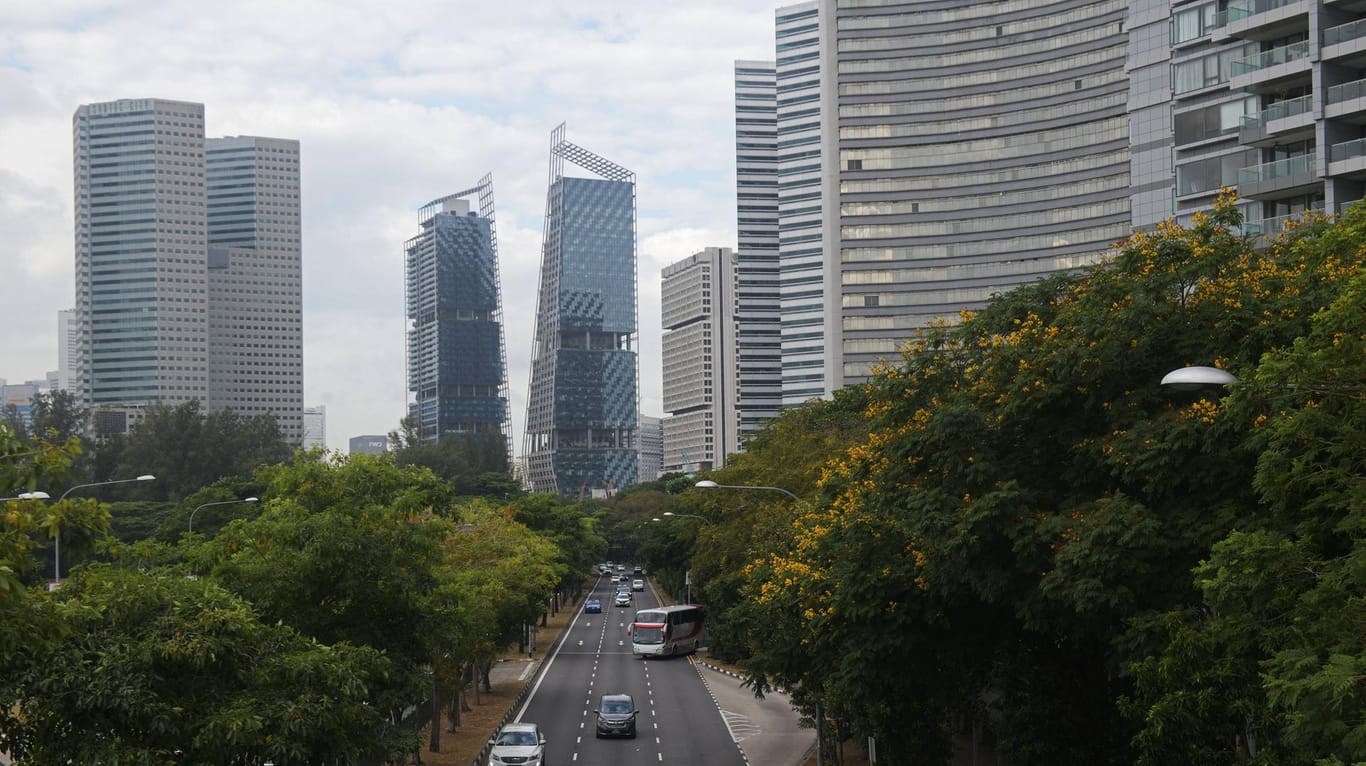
520	743
616	716
624	598
592	606
621	567
637	585
615	578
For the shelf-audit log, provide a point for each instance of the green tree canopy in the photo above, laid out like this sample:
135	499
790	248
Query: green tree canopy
1027	495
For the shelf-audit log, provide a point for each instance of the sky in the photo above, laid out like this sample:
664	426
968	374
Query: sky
394	103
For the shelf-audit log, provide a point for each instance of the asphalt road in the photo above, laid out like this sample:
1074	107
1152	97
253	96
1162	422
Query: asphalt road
679	721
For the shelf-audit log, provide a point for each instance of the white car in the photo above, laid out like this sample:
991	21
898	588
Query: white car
623	598
637	585
519	743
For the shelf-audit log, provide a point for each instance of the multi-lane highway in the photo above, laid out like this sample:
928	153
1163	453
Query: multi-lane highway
679	722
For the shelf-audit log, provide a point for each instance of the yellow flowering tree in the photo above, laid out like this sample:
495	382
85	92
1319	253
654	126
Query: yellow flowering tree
1027	494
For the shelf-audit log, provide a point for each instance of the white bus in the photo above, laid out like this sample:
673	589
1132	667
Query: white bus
667	630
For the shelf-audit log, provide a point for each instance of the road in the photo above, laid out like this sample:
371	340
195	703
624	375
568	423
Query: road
679	722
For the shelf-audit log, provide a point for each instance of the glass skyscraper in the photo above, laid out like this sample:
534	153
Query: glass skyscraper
457	368
582	410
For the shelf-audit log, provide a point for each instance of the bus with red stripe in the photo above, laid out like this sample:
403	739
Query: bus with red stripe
667	630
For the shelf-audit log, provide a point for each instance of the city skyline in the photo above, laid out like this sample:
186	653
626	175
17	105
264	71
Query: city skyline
387	116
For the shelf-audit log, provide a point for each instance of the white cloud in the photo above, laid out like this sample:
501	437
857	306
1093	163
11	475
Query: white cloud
395	103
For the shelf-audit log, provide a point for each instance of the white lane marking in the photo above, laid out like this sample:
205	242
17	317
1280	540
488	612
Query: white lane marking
526	672
739	726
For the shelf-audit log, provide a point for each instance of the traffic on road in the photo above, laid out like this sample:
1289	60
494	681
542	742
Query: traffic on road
596	702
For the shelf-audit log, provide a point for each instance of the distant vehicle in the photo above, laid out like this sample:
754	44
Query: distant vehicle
624	598
639	571
621	567
637	585
616	716
667	630
615	578
592	606
603	569
520	743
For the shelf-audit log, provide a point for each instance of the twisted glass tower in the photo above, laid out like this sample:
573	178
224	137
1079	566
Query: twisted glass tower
582	409
457	368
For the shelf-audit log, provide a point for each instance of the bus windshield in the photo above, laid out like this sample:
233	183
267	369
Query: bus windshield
648	634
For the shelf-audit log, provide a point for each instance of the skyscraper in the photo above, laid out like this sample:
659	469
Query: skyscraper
697	307
315	427
188	264
650	436
255	295
457	368
968	149
141	253
583	405
758	336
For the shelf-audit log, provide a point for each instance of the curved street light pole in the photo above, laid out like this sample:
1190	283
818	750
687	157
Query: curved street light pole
820	718
708	484
57	536
221	502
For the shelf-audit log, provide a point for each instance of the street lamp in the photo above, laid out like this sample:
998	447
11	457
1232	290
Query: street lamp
57	535
27	496
1194	378
820	721
708	484
689	516
221	502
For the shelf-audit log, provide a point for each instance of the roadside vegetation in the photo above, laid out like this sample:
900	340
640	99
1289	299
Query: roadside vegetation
1012	535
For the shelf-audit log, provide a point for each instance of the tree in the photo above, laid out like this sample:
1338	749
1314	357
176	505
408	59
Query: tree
187	450
1028	502
155	668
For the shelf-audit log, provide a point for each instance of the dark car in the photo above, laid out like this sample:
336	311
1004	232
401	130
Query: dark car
616	716
592	606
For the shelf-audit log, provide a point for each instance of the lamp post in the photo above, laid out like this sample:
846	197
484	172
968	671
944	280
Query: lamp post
220	502
820	718
708	484
687	576
1193	378
27	496
57	535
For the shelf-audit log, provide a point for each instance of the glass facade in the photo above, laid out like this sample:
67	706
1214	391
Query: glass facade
583	407
456	361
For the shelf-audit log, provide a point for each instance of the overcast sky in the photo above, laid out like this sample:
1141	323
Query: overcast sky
395	103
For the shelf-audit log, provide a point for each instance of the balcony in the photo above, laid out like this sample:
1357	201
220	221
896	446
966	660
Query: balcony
1272	70
1282	122
1347	102
1282	178
1348	159
1266	19
1270	227
1345	44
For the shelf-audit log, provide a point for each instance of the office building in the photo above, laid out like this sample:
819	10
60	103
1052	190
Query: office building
369	444
188	264
457	368
315	427
758	357
255	279
583	405
697	308
650	433
64	377
16	400
142	326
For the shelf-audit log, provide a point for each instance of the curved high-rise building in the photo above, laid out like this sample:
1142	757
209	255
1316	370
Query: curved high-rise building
969	148
457	365
583	406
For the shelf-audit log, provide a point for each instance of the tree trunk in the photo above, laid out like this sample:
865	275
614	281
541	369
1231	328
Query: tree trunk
488	687
434	745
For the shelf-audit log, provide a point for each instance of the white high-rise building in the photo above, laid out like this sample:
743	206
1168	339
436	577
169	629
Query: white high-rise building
650	437
697	298
315	427
255	275
188	264
64	377
758	357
